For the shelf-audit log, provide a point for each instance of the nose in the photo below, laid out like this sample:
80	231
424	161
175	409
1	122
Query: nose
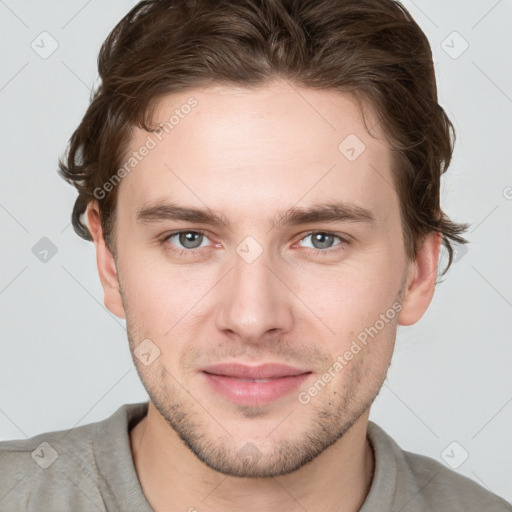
255	302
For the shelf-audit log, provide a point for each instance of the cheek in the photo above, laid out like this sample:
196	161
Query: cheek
359	307
163	298
353	294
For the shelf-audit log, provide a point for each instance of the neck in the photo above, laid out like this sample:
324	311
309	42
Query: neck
337	480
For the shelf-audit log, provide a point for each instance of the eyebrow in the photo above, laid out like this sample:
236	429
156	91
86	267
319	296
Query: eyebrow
325	212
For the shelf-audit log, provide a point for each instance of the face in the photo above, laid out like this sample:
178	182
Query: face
266	331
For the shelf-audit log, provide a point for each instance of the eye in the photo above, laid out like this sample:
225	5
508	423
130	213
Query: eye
323	242
189	241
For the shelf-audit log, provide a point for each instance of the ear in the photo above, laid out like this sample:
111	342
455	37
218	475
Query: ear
421	280
106	263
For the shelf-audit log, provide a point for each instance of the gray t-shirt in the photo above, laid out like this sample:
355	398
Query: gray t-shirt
90	468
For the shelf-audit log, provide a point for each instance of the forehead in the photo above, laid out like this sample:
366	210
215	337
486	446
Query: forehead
245	150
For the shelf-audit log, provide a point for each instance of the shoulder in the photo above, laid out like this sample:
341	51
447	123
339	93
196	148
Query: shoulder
51	468
423	483
444	489
59	468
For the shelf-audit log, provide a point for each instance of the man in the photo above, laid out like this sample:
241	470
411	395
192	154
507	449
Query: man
261	183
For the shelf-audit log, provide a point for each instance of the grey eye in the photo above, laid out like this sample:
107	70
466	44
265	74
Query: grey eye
187	239
322	240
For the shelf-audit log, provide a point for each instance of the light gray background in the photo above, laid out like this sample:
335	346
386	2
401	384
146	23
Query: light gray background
65	359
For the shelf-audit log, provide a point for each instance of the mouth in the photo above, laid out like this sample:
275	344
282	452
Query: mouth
254	385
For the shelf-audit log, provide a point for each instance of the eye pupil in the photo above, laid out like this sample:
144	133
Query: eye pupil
323	238
189	237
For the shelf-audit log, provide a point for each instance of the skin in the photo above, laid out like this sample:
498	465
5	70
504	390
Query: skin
250	154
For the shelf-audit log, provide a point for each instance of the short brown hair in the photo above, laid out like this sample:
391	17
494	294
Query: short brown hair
370	48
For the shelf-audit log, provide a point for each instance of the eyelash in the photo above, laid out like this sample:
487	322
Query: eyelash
193	252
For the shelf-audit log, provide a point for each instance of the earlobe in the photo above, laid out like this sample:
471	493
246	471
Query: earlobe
421	281
106	263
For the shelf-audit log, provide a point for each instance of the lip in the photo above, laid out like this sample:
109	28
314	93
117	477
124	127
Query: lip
254	385
261	371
